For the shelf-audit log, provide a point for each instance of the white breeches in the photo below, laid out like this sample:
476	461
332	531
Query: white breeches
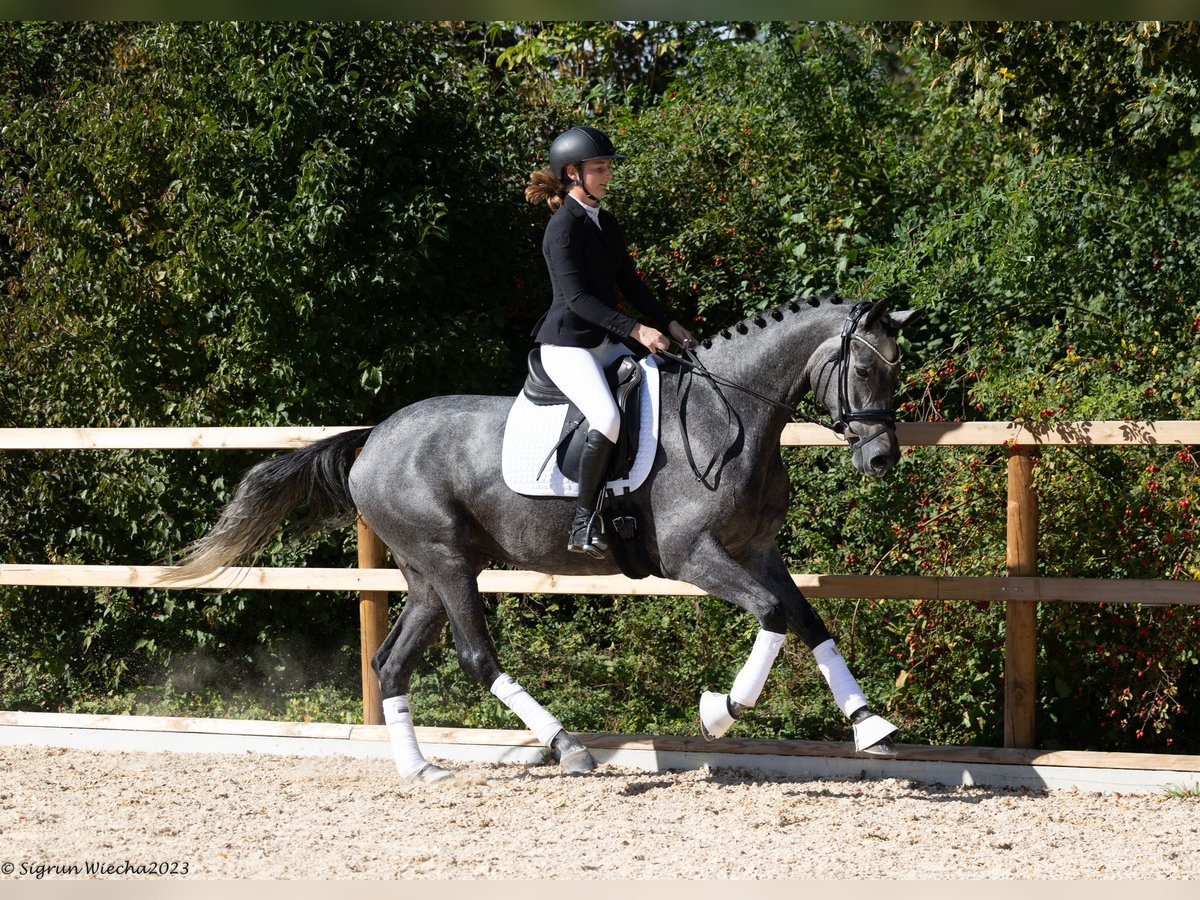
579	373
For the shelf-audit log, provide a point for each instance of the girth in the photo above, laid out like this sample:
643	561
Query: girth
624	378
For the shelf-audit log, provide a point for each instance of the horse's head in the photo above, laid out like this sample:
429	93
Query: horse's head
854	375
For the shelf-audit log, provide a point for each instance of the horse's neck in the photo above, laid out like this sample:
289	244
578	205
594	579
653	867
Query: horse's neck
773	358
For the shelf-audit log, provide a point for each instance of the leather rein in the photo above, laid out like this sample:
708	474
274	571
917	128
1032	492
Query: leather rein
885	418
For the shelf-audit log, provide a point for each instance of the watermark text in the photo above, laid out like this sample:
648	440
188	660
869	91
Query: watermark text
95	869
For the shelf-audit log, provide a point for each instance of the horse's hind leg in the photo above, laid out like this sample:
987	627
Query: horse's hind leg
417	626
478	658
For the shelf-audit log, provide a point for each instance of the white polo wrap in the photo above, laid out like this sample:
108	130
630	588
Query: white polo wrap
535	716
750	680
398	718
846	692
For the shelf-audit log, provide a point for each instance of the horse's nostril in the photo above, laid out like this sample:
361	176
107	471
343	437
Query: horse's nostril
881	461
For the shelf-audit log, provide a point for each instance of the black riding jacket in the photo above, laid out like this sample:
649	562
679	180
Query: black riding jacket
587	267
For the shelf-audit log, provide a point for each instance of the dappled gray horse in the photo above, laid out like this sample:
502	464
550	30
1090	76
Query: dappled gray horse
428	481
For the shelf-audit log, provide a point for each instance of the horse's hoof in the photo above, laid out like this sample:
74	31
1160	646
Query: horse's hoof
884	749
572	755
716	716
577	761
431	774
872	733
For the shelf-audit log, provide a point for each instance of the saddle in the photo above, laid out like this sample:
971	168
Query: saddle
624	380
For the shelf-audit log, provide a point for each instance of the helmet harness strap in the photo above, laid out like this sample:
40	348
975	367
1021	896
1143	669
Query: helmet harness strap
581	182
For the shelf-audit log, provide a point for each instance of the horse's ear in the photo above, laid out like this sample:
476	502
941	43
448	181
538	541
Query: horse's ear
905	317
877	311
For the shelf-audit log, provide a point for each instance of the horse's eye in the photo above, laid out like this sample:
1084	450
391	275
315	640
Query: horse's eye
863	371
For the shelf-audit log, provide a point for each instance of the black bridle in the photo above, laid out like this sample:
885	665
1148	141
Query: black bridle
845	415
838	422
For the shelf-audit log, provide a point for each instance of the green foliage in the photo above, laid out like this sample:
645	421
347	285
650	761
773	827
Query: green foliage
252	223
1182	791
231	223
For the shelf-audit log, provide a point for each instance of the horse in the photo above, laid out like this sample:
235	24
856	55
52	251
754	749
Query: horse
428	481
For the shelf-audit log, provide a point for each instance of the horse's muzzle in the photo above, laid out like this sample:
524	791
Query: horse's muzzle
875	448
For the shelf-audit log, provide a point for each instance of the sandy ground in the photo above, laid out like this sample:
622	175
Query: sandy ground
201	816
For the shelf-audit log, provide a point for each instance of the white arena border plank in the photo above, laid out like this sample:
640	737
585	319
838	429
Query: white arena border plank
946	765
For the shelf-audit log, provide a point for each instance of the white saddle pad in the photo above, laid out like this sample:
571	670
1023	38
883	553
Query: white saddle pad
532	431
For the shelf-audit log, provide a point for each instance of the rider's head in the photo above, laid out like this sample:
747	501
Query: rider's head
579	163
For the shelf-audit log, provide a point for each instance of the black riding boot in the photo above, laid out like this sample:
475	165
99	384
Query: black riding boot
587	529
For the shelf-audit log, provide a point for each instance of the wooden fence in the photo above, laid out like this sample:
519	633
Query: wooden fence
1021	590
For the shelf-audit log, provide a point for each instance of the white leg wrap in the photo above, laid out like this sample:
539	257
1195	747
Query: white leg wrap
535	716
714	714
846	692
396	715
872	730
749	682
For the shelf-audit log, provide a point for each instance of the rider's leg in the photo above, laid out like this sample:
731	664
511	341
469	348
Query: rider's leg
587	527
579	373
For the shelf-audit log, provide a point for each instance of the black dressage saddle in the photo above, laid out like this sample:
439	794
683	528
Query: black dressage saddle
625	381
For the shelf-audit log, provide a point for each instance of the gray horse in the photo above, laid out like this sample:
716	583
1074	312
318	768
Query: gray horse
428	482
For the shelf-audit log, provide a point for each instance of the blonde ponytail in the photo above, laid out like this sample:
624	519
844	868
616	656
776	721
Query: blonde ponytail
543	187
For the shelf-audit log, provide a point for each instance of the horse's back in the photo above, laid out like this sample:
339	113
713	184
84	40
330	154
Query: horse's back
429	483
438	440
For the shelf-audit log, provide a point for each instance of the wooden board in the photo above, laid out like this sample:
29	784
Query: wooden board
929	434
665	743
915	434
493	581
165	438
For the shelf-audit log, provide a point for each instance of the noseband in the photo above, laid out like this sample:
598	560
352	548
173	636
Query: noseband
839	423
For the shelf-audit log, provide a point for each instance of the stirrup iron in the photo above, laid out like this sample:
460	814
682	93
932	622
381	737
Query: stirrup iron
587	532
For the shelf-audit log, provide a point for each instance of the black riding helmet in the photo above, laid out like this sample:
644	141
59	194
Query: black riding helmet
577	144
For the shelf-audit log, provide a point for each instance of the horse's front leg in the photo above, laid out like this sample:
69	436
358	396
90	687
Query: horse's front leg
872	732
767	591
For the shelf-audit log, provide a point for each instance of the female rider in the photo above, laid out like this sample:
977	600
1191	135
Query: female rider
582	331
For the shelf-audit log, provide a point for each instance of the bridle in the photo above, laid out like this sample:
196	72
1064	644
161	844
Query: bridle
838	422
845	415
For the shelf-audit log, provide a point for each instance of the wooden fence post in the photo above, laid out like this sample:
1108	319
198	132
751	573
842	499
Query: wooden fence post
1020	636
372	621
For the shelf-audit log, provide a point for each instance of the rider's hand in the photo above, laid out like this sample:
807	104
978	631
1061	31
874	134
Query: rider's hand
682	335
650	338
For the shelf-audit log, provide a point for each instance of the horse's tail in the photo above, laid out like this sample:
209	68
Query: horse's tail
315	478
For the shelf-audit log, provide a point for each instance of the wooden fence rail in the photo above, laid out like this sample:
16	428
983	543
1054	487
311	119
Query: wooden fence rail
797	434
1021	590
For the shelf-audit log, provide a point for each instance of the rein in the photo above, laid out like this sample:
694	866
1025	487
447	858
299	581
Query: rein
886	418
